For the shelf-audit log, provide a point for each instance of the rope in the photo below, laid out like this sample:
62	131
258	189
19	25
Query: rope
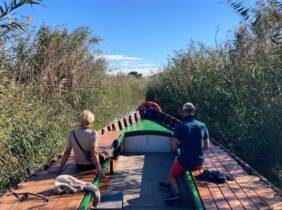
23	196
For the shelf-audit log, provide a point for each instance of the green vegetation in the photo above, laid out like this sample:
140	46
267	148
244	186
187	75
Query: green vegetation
9	20
46	79
236	88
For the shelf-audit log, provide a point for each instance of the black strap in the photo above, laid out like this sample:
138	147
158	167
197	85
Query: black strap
78	144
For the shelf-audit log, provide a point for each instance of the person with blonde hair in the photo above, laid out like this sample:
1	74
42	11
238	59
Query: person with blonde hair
83	141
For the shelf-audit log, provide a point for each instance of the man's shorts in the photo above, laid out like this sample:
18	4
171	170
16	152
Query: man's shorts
177	170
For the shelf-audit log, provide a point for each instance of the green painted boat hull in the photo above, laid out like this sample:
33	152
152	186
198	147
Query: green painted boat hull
145	127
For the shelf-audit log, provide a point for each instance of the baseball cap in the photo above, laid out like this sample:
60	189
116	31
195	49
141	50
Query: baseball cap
188	106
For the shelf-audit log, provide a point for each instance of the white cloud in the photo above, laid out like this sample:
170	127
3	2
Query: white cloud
116	57
136	65
125	64
145	71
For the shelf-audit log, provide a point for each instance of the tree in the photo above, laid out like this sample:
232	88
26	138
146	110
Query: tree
135	74
8	18
264	21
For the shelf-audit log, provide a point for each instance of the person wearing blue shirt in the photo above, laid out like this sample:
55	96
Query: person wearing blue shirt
192	137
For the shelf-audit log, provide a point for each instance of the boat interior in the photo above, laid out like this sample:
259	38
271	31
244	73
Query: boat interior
132	176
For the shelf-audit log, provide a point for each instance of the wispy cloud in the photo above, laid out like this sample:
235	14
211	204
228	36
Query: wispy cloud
125	64
136	65
117	57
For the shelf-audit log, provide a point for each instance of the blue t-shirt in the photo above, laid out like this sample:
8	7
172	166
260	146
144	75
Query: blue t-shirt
191	134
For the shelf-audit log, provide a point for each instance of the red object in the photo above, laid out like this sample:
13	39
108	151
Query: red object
149	104
177	170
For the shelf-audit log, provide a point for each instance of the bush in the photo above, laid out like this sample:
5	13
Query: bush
45	83
237	90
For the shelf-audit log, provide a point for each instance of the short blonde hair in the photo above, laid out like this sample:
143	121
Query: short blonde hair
86	119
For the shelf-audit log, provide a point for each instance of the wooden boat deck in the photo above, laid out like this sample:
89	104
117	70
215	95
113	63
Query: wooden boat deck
247	191
43	183
137	177
135	174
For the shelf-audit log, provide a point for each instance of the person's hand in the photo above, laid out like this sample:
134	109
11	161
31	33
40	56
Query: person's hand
100	171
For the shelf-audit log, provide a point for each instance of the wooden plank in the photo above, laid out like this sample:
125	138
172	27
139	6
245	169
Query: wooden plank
277	205
218	197
44	181
229	195
243	179
215	191
232	169
134	177
266	193
10	202
241	195
245	182
277	202
231	190
205	195
106	139
235	188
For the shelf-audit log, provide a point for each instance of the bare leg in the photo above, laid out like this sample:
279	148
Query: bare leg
173	184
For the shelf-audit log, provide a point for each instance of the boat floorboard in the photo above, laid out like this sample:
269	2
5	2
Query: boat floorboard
246	191
137	177
43	183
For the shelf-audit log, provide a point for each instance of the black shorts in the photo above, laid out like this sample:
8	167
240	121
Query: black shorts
92	165
85	167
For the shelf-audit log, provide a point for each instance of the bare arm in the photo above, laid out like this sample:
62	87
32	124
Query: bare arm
174	144
64	158
206	143
95	156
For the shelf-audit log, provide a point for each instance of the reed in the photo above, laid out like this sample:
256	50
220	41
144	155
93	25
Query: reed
45	82
236	87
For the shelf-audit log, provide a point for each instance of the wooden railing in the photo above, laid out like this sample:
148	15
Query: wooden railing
160	117
122	123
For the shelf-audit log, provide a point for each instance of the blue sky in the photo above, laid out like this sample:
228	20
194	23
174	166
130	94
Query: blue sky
139	35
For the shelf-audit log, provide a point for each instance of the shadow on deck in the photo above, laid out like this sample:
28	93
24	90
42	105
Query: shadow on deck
137	176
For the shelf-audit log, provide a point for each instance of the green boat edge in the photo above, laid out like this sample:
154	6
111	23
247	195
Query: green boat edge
145	127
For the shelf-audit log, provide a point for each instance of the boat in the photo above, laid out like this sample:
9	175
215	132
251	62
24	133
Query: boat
144	159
